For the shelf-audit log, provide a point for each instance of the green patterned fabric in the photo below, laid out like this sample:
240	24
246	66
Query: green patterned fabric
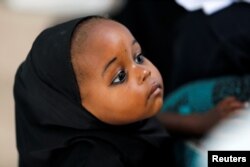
202	95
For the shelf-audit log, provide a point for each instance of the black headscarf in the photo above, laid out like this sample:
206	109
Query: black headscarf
53	128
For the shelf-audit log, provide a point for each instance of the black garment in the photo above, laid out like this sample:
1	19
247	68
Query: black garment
209	46
52	127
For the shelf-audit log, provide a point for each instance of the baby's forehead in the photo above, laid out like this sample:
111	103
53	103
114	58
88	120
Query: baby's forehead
98	31
103	25
103	30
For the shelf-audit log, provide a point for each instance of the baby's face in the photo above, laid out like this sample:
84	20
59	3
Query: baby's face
121	86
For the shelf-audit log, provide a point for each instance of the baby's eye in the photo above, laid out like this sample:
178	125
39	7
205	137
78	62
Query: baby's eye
139	59
119	78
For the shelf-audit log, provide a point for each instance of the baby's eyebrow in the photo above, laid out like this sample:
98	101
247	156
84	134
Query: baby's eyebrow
108	65
114	59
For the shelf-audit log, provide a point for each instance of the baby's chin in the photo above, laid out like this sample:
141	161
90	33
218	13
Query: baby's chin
157	108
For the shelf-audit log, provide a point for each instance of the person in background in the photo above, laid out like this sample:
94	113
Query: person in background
205	46
206	50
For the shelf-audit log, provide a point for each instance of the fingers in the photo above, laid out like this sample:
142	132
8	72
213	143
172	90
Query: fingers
228	106
247	104
235	105
228	100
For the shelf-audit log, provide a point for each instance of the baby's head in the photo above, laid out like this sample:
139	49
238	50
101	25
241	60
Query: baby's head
117	84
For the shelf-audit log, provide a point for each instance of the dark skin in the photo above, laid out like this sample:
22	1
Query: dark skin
197	125
118	85
118	69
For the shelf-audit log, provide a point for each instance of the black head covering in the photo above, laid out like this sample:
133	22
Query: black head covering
52	127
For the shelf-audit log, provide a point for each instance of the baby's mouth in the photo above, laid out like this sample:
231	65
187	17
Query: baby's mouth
155	89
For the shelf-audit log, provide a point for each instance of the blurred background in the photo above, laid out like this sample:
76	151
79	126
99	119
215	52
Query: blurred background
201	39
20	22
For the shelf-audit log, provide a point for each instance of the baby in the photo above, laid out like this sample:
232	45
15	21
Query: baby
117	84
87	96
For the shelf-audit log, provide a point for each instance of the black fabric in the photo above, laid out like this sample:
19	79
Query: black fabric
52	127
211	46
